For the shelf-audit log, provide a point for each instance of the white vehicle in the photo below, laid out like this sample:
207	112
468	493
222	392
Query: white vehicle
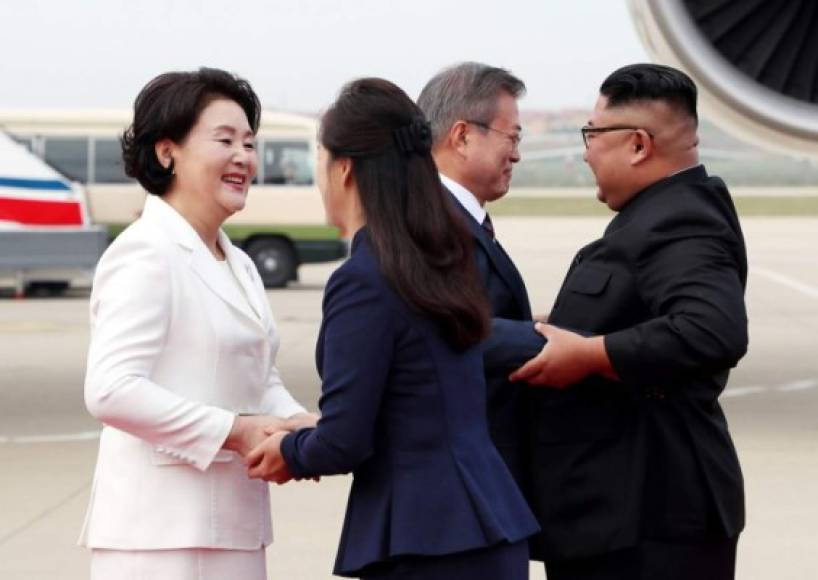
282	226
46	236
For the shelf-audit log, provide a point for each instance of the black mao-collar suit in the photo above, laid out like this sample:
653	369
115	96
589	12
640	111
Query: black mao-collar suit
650	457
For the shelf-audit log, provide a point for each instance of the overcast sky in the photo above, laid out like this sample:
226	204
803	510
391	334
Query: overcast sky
298	53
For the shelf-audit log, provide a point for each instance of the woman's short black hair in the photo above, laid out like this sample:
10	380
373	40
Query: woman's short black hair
168	108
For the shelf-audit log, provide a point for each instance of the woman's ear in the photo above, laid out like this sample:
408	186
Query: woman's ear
164	152
345	167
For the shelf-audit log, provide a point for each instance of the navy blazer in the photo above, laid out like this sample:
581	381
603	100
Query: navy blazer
406	414
511	314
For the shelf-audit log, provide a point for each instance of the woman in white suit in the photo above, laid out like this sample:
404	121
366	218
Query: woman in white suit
181	366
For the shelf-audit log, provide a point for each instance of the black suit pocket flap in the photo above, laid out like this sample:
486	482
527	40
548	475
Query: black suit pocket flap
589	280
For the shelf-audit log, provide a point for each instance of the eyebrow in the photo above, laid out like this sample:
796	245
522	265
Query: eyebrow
230	129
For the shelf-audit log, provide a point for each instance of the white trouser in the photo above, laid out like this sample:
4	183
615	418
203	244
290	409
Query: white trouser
189	564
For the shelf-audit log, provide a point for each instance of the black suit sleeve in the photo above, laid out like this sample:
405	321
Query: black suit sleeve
689	277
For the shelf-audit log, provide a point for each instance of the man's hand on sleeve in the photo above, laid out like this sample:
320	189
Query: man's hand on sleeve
566	358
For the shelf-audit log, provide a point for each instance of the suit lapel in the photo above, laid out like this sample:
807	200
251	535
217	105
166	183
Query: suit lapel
499	259
207	269
204	265
515	281
241	269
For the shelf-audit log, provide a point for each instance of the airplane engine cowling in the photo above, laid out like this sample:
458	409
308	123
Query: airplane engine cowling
755	63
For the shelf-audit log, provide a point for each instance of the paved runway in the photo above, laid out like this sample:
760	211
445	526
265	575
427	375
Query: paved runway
48	442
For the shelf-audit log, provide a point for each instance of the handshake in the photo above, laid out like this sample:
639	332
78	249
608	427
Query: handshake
257	438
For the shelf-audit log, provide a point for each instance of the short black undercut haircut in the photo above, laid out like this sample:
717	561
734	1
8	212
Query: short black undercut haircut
651	82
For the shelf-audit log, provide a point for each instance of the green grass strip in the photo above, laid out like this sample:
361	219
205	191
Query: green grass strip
317	233
580	206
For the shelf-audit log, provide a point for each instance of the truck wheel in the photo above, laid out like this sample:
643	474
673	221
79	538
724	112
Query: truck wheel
275	260
46	288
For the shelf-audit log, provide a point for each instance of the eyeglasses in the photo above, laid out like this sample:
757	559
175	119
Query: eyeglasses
588	130
513	138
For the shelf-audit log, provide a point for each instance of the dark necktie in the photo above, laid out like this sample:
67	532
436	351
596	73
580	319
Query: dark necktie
488	227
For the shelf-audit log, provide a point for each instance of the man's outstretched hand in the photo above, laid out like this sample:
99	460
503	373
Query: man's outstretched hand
566	358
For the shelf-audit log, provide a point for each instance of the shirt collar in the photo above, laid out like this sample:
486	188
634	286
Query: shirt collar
466	198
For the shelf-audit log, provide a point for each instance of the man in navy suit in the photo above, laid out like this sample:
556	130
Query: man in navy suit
472	109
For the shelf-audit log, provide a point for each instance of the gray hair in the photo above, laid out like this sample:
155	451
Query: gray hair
467	91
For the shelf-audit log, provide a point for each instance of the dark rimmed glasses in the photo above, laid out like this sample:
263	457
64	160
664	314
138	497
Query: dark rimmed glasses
589	130
513	139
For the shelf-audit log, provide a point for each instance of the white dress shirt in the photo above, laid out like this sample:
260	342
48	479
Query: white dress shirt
466	198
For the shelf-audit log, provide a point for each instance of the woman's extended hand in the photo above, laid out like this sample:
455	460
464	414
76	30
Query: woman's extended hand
265	461
294	423
249	430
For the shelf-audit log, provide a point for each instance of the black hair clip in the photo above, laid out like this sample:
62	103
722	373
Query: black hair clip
414	138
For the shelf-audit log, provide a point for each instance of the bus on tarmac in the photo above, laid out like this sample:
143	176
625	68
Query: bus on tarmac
282	226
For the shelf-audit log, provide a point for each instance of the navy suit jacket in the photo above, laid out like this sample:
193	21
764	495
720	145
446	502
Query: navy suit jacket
513	341
406	414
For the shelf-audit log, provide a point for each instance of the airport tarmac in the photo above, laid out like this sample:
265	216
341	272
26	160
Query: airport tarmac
48	442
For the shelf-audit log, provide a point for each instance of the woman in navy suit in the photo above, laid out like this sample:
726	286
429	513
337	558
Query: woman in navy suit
403	397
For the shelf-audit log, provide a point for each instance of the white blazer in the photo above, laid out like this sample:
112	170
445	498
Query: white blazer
176	351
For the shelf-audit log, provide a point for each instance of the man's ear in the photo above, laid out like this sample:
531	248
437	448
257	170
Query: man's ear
164	152
641	144
458	136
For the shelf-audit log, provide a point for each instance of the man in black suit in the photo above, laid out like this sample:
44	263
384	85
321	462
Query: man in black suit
634	474
472	109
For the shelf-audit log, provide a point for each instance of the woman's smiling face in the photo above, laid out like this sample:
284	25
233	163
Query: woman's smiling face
216	162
